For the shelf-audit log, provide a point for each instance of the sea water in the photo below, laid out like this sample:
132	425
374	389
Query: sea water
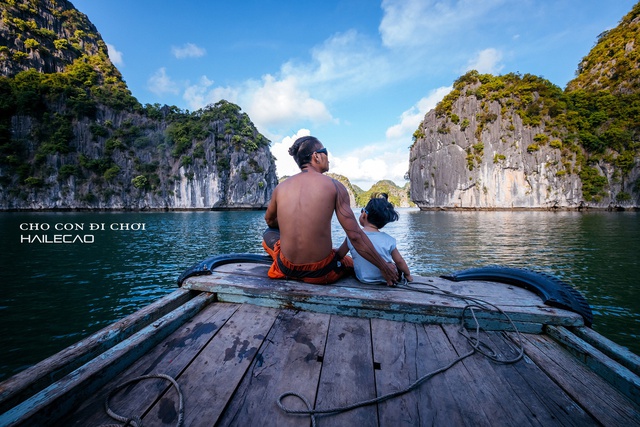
67	275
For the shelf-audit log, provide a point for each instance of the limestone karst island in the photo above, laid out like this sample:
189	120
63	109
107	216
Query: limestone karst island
72	135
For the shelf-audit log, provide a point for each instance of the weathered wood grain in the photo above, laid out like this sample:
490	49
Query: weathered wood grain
347	372
473	392
351	342
492	392
438	399
290	360
456	381
169	357
387	303
211	379
498	293
499	323
395	353
627	382
594	394
613	350
547	402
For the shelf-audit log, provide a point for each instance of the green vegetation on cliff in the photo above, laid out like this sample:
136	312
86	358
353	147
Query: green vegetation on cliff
612	64
590	126
69	124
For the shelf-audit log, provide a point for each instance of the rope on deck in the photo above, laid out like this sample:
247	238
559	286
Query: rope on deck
477	345
135	421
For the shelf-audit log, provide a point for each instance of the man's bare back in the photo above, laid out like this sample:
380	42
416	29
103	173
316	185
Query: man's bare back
305	204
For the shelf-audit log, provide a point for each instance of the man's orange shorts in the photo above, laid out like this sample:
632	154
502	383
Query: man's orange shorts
323	272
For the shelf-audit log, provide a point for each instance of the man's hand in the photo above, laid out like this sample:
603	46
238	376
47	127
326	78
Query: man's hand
390	274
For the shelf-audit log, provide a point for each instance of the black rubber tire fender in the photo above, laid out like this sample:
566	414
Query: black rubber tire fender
208	265
553	291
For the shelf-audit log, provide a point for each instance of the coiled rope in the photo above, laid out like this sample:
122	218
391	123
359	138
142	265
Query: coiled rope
474	341
136	421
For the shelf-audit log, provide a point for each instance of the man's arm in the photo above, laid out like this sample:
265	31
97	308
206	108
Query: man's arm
358	238
342	250
271	216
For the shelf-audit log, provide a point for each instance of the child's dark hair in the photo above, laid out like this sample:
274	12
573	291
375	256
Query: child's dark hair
379	211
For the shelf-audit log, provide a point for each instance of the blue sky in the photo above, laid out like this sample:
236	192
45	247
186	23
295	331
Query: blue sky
358	74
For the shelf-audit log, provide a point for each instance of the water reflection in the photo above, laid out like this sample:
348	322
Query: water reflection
55	294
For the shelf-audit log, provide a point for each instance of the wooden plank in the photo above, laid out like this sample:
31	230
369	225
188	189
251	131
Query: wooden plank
37	377
290	361
614	350
395	348
625	381
498	293
436	396
498	323
595	395
211	379
170	357
59	398
347	373
459	401
547	402
394	303
404	354
492	391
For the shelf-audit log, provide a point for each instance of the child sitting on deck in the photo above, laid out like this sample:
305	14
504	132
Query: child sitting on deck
378	213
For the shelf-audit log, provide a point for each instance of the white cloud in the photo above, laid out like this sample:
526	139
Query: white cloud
276	102
269	102
367	165
115	55
402	21
349	63
345	63
200	95
411	118
420	22
301	91
196	95
160	83
389	160
486	61
189	50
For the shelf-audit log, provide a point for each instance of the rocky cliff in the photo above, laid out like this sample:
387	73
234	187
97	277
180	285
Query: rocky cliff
73	137
514	141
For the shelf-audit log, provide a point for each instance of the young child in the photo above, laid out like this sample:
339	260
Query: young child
373	217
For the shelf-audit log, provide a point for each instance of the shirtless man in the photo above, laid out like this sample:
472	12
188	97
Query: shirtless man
299	220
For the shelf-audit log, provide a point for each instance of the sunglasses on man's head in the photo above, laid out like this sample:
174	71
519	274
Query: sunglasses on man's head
322	150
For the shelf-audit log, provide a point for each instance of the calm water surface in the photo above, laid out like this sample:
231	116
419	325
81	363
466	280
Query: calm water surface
52	295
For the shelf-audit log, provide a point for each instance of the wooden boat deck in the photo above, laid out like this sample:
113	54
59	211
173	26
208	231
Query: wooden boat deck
252	340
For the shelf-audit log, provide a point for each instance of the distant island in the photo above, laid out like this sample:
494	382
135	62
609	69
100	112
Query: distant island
398	196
